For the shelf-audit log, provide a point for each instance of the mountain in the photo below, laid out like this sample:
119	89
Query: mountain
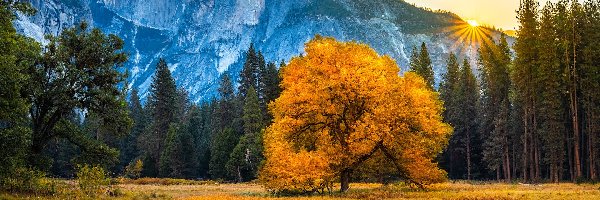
202	39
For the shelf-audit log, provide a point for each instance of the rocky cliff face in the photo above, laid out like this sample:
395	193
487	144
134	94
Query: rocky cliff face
202	39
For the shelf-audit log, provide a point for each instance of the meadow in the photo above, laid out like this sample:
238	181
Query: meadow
208	190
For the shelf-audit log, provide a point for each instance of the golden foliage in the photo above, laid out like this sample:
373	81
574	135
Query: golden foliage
343	104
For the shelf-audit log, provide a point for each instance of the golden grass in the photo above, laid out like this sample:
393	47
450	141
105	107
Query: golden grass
216	191
160	181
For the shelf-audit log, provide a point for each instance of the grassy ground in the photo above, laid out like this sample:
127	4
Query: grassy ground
211	190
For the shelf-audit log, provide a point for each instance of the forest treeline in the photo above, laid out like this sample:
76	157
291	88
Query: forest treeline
533	113
218	139
529	113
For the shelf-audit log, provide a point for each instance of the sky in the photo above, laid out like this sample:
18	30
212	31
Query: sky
498	13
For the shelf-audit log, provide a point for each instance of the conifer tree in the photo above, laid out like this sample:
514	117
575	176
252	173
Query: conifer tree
129	149
414	61
250	71
552	87
449	93
224	137
503	82
494	62
247	155
170	163
199	128
225	109
179	159
421	64
261	71
524	76
271	83
162	104
467	124
189	153
270	89
574	82
182	105
223	143
590	83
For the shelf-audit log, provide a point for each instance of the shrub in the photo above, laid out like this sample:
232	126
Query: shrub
134	169
28	181
92	180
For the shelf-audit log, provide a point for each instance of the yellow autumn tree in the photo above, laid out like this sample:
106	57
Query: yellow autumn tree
343	104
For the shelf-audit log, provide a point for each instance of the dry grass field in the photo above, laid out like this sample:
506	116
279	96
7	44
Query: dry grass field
188	190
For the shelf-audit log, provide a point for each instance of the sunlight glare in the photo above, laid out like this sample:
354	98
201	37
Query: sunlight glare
467	35
473	23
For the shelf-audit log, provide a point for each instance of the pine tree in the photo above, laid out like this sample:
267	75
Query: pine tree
189	153
224	136
261	71
182	105
524	76
223	143
590	83
575	21
421	64
271	83
414	61
199	128
224	115
494	62
170	163
128	147
449	93
467	124
269	89
163	102
247	154
179	159
550	105
250	71
503	91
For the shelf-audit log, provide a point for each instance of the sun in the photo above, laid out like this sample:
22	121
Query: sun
473	23
467	35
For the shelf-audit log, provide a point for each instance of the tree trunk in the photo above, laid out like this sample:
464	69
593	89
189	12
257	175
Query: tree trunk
535	139
531	159
514	162
594	132
468	154
553	175
239	174
36	151
345	180
561	163
570	157
574	106
591	148
525	146
537	161
497	174
507	174
576	138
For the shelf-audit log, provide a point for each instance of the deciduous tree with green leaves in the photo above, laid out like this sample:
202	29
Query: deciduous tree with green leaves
79	72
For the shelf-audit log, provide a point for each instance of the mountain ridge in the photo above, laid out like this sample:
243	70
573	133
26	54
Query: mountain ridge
202	39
